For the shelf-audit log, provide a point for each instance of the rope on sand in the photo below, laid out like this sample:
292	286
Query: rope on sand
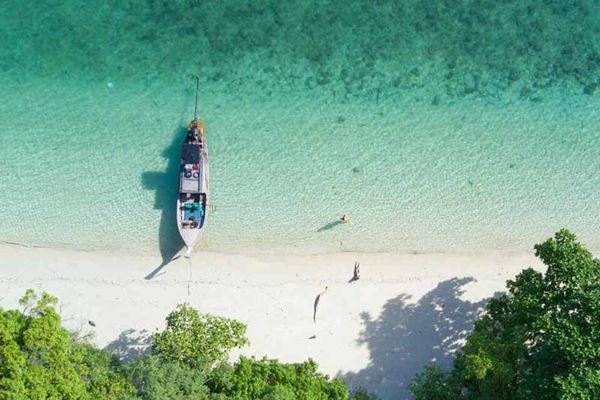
190	280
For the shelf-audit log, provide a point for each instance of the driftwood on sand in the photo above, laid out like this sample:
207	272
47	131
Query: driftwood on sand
317	299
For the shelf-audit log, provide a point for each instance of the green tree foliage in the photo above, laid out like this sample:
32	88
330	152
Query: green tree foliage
541	340
158	380
433	384
40	360
102	372
197	340
251	379
362	394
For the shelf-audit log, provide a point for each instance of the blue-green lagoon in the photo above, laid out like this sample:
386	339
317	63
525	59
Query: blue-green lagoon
435	127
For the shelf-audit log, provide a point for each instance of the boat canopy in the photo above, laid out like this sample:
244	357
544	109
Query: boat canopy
190	153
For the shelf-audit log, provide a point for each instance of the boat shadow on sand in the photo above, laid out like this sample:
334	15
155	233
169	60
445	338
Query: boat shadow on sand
165	184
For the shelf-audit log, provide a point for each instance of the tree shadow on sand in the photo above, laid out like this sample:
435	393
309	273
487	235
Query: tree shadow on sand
130	345
408	336
166	184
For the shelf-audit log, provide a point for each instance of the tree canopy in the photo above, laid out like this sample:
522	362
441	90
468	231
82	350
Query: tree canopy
539	340
41	360
251	379
197	340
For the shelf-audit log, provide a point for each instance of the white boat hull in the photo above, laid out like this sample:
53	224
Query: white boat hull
191	236
192	201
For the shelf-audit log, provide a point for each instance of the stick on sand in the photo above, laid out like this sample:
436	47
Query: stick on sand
317	304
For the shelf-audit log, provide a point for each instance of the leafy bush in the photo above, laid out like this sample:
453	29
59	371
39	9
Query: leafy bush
251	379
362	394
197	340
40	360
541	340
433	384
158	380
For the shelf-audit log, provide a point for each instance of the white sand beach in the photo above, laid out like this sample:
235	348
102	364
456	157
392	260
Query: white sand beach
377	332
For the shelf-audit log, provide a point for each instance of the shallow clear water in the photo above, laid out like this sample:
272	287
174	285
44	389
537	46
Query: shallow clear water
434	127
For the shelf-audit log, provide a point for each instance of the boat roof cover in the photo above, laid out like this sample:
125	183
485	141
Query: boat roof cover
190	153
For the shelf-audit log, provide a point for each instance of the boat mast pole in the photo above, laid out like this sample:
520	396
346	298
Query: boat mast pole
196	105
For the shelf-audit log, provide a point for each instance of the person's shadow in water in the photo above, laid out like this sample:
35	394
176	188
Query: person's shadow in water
166	185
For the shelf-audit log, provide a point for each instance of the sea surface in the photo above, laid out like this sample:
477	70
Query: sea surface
436	126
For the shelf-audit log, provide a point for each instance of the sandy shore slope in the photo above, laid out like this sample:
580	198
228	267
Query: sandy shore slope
405	311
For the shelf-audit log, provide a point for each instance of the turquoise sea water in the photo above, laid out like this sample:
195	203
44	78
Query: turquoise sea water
435	126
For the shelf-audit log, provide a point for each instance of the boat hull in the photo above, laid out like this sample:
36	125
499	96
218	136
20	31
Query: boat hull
191	236
192	201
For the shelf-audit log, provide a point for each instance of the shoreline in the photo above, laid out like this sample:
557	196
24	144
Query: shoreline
405	311
261	252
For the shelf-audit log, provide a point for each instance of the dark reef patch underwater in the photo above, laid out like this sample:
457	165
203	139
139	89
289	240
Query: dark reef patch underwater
358	48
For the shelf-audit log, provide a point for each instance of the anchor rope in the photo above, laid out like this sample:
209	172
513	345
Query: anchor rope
190	278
